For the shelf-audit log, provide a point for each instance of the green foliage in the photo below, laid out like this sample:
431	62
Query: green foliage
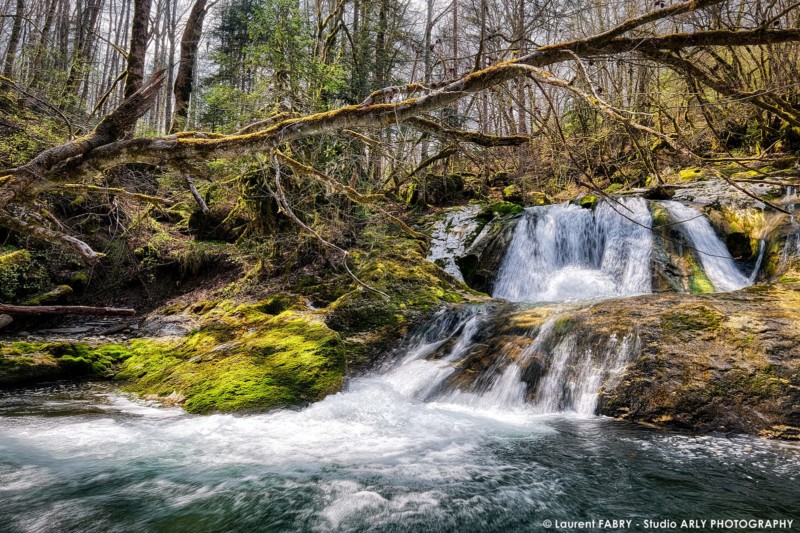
21	274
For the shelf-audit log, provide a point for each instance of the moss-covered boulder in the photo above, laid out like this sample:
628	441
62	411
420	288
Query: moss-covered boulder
588	201
691	174
513	193
249	357
500	209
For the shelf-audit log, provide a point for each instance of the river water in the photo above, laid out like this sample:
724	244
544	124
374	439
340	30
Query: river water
82	458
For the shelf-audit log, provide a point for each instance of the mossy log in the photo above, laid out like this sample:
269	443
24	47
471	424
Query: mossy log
65	310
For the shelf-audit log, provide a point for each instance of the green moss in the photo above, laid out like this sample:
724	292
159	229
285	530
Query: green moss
79	279
691	174
698	280
692	318
660	215
51	295
17	257
512	193
614	188
412	287
588	201
563	324
539	198
242	359
27	362
500	209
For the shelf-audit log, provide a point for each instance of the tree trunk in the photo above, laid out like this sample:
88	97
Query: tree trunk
41	50
13	41
138	48
184	80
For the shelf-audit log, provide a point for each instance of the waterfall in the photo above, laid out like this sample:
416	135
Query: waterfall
565	252
464	358
714	256
762	245
575	375
556	371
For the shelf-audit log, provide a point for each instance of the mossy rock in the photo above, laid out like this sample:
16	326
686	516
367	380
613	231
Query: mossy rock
537	198
410	285
692	318
588	201
513	193
500	209
251	357
53	295
691	174
24	363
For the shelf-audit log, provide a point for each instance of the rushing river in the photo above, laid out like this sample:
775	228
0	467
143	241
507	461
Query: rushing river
82	458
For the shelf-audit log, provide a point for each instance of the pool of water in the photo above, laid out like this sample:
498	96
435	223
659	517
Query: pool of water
86	458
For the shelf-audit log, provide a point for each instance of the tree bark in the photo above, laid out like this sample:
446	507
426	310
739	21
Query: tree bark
13	40
184	80
136	54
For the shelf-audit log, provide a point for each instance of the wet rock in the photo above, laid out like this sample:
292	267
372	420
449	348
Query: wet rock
168	326
67	331
722	362
481	262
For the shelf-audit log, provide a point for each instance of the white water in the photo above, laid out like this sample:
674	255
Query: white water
762	246
370	459
565	252
717	262
575	375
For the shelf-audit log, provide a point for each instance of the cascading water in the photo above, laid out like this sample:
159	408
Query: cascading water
762	246
717	262
558	253
565	252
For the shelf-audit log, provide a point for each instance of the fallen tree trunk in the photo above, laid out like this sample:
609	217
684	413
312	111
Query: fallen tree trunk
65	310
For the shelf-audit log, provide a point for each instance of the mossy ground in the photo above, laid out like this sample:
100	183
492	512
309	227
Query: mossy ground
31	362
